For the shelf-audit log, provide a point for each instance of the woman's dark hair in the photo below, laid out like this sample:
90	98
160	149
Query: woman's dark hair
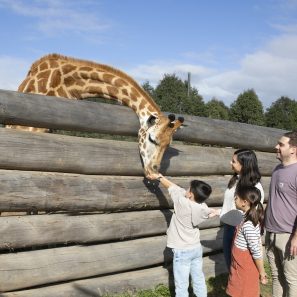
256	211
249	174
200	190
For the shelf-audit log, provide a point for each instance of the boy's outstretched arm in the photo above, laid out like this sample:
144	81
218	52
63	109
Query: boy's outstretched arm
163	180
214	212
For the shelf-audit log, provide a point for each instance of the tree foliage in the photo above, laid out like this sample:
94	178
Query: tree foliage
148	88
216	109
282	114
172	95
247	108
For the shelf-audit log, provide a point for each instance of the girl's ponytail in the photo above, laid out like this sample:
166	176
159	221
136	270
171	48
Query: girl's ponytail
256	212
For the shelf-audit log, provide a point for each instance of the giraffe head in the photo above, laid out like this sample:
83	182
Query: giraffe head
154	137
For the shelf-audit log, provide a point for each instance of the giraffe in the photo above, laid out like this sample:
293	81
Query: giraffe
67	77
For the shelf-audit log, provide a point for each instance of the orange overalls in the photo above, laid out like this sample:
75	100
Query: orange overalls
244	276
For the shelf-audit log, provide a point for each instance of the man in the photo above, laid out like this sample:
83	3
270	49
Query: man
281	219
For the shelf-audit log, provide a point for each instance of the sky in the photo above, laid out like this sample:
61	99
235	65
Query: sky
228	46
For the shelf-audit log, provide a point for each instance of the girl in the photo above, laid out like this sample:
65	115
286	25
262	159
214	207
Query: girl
246	173
247	260
183	235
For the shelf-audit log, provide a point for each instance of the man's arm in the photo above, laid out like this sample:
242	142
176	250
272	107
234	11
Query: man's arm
293	244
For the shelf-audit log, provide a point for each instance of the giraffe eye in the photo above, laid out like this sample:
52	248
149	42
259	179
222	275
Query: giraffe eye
152	120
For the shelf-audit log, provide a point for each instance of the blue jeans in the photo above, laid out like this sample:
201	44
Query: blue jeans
227	243
185	263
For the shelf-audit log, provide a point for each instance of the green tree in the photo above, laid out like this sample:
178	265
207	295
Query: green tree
248	109
216	109
282	114
172	95
148	88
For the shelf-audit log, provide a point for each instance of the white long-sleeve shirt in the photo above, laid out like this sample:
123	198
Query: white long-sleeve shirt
229	214
183	231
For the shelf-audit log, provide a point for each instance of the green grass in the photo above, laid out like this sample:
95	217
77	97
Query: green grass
216	286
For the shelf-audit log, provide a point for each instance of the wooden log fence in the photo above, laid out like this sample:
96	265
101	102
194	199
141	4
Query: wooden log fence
99	226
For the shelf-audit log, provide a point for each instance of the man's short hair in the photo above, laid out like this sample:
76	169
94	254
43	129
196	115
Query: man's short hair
293	137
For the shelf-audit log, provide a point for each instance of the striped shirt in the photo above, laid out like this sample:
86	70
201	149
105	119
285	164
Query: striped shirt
249	237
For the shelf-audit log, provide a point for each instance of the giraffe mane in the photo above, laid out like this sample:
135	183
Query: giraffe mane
103	67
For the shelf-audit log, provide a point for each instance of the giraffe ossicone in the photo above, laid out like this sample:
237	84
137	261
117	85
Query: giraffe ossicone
61	76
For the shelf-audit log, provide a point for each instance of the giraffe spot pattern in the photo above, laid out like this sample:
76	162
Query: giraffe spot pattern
94	76
150	108
69	81
125	101
31	87
43	75
51	93
42	86
55	79
53	64
23	85
43	66
85	68
141	105
95	90
68	68
61	92
112	91
134	94
120	83
84	75
125	92
107	77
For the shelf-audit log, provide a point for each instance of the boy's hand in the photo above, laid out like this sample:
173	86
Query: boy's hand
214	213
153	176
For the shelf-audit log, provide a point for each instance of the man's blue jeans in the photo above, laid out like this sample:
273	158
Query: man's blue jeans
185	263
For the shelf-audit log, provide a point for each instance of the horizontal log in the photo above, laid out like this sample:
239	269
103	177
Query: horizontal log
27	269
42	191
226	133
58	113
119	283
41	230
48	152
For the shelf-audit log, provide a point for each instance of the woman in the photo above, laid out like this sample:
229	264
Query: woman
246	173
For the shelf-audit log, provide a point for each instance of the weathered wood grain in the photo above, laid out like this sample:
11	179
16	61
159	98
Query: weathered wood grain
27	269
41	230
58	113
43	191
48	152
127	281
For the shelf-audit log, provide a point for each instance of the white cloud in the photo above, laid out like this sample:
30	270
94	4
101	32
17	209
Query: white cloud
271	72
154	72
54	17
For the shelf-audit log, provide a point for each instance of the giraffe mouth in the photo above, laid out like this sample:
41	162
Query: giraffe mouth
152	140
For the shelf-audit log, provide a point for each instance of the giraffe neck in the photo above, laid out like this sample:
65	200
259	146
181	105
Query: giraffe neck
60	76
